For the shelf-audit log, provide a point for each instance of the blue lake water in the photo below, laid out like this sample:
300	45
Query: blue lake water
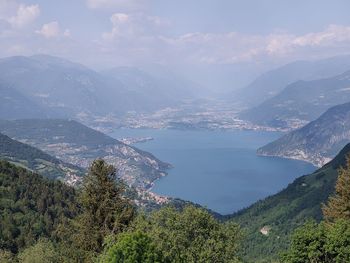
218	169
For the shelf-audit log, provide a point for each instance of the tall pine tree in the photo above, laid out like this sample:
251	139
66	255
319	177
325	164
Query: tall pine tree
105	211
338	206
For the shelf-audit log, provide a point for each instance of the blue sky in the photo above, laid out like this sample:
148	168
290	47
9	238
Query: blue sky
104	33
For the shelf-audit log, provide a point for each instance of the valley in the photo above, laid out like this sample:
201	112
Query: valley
217	169
136	131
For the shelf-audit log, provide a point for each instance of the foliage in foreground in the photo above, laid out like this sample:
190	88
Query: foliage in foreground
46	221
31	207
132	247
328	241
191	235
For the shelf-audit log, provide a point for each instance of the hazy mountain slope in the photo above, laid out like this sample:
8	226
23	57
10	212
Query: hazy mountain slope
301	102
57	85
318	141
14	105
144	91
281	213
77	144
272	82
36	160
64	89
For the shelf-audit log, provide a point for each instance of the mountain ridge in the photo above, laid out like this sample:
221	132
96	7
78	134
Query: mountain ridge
301	102
272	82
317	142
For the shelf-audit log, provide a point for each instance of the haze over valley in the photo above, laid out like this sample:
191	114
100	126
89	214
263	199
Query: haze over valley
174	131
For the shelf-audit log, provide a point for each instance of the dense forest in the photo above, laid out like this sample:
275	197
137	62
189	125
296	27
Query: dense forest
47	221
282	213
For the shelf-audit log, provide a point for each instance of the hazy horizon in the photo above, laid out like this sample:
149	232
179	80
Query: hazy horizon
234	41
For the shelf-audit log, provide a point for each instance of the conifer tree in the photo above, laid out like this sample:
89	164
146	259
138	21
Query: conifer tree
104	209
338	206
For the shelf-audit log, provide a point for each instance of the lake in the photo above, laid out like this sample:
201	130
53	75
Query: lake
218	169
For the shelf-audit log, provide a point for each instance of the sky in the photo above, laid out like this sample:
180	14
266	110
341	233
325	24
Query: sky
179	33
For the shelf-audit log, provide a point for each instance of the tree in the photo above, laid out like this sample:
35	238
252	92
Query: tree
328	241
307	245
191	235
6	257
316	243
338	206
42	252
338	241
134	247
104	209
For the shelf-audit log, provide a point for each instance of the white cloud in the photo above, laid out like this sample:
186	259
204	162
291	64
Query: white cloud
127	26
24	16
141	38
120	5
333	34
52	30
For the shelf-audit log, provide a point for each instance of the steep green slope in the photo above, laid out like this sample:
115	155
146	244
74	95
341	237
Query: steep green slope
36	160
278	215
31	206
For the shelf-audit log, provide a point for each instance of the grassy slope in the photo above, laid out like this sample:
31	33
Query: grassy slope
286	210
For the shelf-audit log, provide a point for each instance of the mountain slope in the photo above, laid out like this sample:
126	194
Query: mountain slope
301	102
36	160
278	215
58	88
31	206
77	144
318	141
144	91
272	82
58	85
14	105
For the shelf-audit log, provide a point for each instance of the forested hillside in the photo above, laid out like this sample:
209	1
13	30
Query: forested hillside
270	222
46	221
31	207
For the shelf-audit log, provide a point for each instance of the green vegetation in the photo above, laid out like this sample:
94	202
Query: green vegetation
47	221
338	206
34	159
43	251
328	241
320	243
134	247
287	210
191	235
31	207
104	210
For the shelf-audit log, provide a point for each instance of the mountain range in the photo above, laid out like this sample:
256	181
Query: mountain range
44	86
301	102
318	141
274	81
